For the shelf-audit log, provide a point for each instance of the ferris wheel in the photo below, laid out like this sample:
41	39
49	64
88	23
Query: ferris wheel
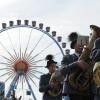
23	48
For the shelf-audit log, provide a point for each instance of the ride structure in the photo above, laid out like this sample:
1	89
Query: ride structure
24	47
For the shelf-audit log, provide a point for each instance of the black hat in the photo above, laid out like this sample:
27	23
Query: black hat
73	38
50	60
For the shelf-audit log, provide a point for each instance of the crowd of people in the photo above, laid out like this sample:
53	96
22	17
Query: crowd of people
74	69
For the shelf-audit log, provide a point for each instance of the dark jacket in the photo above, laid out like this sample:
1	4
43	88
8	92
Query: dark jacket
95	56
70	68
66	70
68	59
44	87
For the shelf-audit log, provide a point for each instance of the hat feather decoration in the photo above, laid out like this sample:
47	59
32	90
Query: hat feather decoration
49	57
50	60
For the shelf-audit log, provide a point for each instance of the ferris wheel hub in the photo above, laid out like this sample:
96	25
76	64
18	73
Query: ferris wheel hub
21	66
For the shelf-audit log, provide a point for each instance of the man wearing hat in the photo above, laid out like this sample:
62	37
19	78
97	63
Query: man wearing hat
68	92
73	45
95	56
44	85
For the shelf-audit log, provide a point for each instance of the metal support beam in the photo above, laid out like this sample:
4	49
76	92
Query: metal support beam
12	85
30	88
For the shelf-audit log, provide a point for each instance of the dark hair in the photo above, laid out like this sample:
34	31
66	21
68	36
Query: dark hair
73	39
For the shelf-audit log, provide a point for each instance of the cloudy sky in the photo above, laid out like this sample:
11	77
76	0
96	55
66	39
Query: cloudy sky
64	16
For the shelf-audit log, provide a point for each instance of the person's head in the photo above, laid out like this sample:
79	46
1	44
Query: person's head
52	68
74	45
67	51
51	64
78	48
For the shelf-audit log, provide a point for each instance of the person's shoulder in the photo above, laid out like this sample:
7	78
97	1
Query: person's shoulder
73	55
67	56
44	75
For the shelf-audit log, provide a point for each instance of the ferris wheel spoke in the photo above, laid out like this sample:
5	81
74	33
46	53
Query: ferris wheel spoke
22	56
31	67
44	59
28	75
19	79
6	58
11	70
32	70
32	80
11	44
34	67
28	42
15	57
38	61
19	44
5	73
31	63
5	68
41	51
8	66
20	53
12	84
11	76
17	82
35	46
32	74
3	63
7	90
7	51
30	88
2	87
22	81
